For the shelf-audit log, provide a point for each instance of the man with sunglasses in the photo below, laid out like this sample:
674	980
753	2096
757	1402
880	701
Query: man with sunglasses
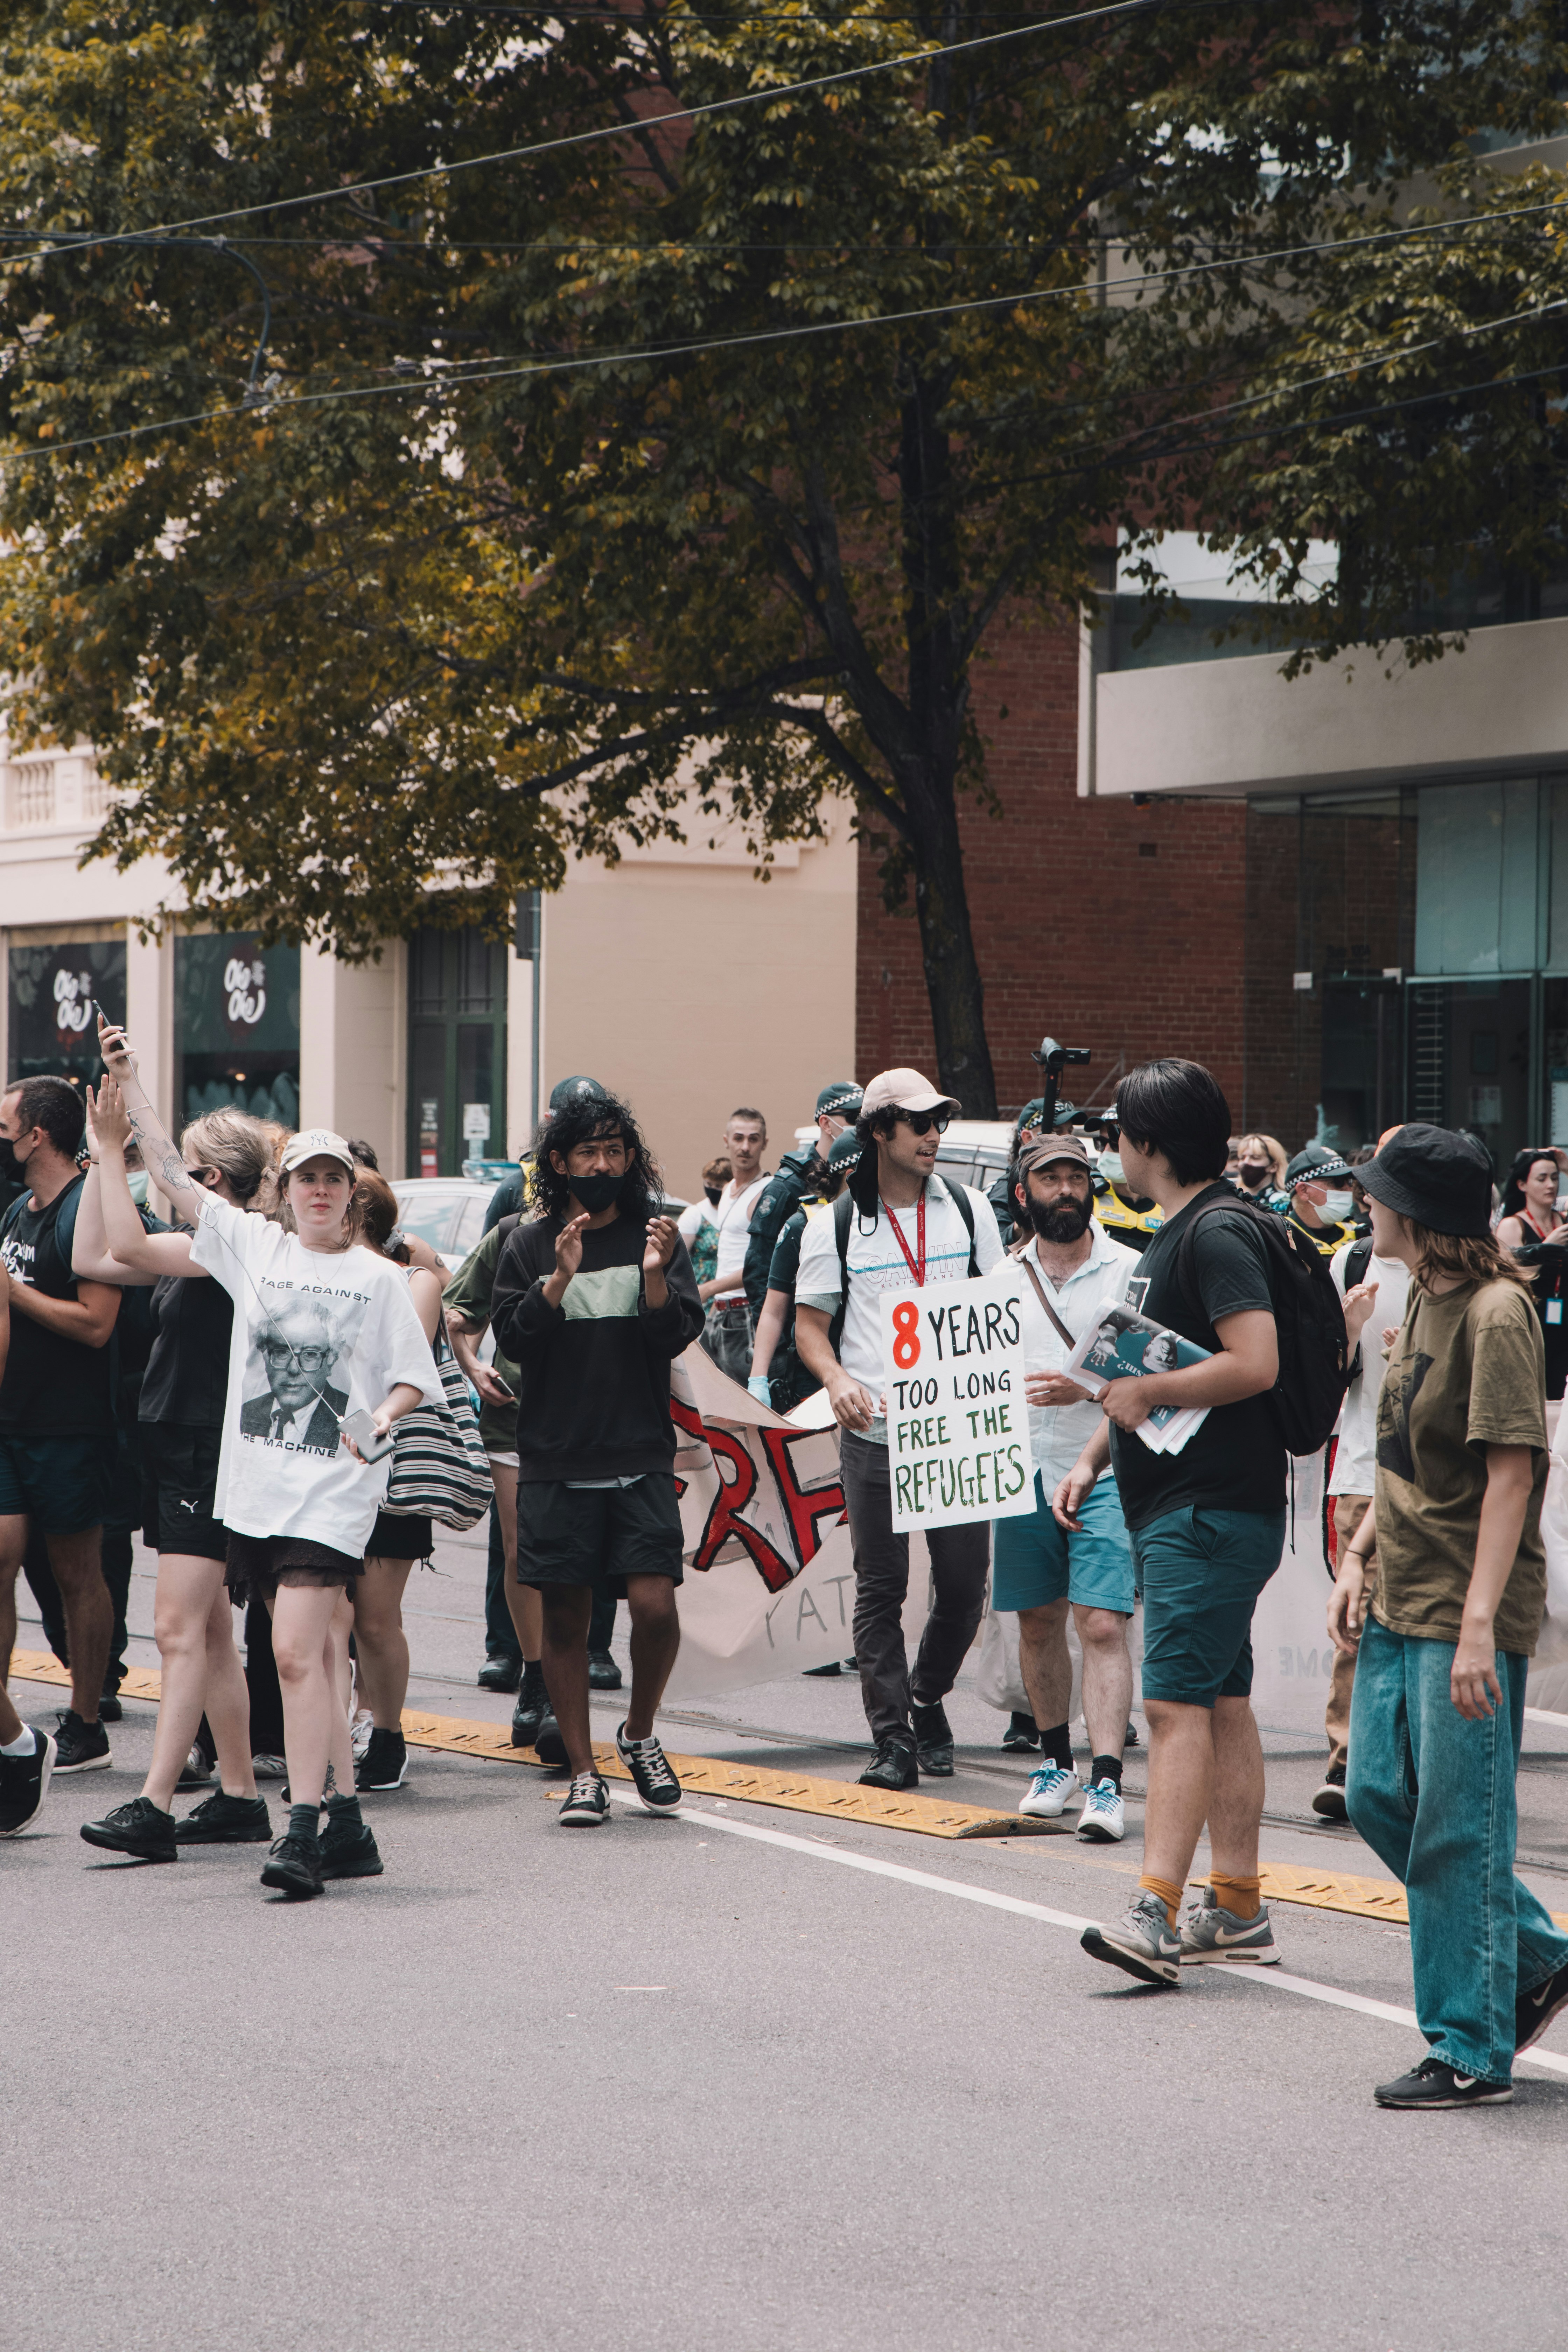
897	1226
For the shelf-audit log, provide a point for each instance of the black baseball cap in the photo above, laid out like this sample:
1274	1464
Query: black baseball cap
567	1090
1434	1177
841	1098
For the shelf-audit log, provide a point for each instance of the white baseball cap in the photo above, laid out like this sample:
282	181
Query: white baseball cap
316	1143
904	1090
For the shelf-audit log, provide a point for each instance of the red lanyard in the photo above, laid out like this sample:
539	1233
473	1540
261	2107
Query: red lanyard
917	1266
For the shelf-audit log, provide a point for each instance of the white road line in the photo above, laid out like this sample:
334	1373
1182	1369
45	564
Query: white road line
1273	1979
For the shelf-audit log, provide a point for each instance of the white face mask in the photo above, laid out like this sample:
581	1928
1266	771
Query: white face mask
1109	1166
1338	1208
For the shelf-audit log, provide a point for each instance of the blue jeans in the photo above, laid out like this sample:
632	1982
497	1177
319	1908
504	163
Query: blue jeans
1432	1795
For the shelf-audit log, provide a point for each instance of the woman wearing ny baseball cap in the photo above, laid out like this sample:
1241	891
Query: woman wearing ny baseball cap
1438	1706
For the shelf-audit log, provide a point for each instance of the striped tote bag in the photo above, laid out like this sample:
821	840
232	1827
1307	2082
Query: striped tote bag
439	1468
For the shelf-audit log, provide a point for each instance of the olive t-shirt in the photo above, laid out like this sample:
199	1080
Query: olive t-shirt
1466	1371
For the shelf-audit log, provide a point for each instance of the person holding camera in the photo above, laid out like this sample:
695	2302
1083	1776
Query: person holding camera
902	1228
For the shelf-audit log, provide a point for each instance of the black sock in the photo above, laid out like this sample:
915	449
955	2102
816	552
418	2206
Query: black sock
1106	1767
343	1812
302	1821
1056	1744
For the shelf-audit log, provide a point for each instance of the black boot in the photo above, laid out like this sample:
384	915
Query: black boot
893	1766
533	1705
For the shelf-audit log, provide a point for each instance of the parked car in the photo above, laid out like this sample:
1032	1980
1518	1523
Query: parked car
448	1212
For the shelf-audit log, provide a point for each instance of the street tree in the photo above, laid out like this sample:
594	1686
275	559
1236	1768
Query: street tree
639	482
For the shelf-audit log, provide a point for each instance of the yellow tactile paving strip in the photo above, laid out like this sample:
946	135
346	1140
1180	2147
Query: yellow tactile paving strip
713	1776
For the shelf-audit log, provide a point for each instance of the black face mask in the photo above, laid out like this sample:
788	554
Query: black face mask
1252	1174
714	1194
11	1170
596	1193
1064	1221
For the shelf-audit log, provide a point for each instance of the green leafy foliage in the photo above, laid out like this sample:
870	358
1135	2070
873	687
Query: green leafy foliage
628	487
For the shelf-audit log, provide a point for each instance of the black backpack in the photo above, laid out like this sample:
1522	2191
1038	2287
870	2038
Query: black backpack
1308	1318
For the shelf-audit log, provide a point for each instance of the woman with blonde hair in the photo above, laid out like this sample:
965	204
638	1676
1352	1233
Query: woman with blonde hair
1437	1711
1261	1170
230	1155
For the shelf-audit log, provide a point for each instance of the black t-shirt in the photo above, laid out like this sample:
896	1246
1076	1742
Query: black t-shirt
186	1380
54	1387
1235	1460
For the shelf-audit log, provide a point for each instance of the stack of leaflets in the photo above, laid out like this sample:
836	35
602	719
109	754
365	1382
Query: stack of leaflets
1123	1346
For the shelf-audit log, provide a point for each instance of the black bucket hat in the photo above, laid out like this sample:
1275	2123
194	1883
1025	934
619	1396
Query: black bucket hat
1434	1177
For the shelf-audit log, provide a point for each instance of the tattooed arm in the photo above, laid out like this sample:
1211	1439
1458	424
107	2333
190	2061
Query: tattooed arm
160	1156
134	1253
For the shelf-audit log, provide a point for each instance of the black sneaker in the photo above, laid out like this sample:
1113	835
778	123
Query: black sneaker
25	1783
80	1746
587	1803
603	1672
294	1867
140	1828
1533	2012
501	1672
384	1764
893	1766
1434	2084
832	1667
533	1705
349	1851
548	1744
648	1765
933	1741
109	1707
1022	1731
1329	1800
222	1820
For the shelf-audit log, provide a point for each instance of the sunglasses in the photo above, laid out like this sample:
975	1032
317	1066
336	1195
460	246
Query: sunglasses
920	1122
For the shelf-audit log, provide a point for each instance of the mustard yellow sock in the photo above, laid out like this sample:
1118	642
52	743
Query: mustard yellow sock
1239	1896
1171	1896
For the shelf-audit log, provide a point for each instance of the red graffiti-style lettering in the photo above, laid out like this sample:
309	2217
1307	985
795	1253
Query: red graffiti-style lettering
807	1505
735	1491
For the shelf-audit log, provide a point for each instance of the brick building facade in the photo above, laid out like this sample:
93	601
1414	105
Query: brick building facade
1103	924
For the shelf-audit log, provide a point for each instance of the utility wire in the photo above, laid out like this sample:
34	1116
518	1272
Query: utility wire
692	113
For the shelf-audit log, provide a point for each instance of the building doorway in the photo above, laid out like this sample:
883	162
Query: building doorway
457	1051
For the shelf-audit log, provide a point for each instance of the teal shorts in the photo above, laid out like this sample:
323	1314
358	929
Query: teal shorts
1200	1573
1035	1562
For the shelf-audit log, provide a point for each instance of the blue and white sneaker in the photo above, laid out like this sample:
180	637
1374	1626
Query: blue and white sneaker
1050	1790
1209	1932
1103	1817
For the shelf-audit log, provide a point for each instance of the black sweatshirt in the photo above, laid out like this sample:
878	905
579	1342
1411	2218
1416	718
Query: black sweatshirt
595	1399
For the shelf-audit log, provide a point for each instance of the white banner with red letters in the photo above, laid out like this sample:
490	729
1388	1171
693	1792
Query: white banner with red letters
769	1587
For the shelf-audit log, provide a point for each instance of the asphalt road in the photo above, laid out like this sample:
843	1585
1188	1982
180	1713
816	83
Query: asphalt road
698	2083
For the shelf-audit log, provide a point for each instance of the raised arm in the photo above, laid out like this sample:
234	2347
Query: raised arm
134	1253
159	1154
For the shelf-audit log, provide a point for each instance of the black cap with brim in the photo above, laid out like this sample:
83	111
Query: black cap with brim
1435	1178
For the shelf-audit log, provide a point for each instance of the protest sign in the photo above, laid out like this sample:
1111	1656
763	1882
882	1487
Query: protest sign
768	1584
958	1426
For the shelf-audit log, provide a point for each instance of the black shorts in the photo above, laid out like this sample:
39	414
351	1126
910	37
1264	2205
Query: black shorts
399	1535
598	1536
258	1564
179	1489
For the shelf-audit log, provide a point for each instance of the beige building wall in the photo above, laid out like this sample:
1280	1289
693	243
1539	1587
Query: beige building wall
682	982
676	977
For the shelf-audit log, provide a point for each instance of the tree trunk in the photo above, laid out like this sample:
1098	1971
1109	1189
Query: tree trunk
954	984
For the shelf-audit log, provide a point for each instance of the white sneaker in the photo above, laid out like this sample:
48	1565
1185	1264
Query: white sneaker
1051	1792
360	1729
1103	1817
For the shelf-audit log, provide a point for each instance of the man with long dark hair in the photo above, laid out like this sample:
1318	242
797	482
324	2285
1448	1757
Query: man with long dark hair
593	1299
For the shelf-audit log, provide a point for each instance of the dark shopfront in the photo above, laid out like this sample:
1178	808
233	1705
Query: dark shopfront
1406	957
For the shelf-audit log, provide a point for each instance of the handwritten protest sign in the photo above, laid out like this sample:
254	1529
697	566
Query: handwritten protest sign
958	1429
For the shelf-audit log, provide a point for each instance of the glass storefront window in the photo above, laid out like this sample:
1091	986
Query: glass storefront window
236	1027
51	987
457	1051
